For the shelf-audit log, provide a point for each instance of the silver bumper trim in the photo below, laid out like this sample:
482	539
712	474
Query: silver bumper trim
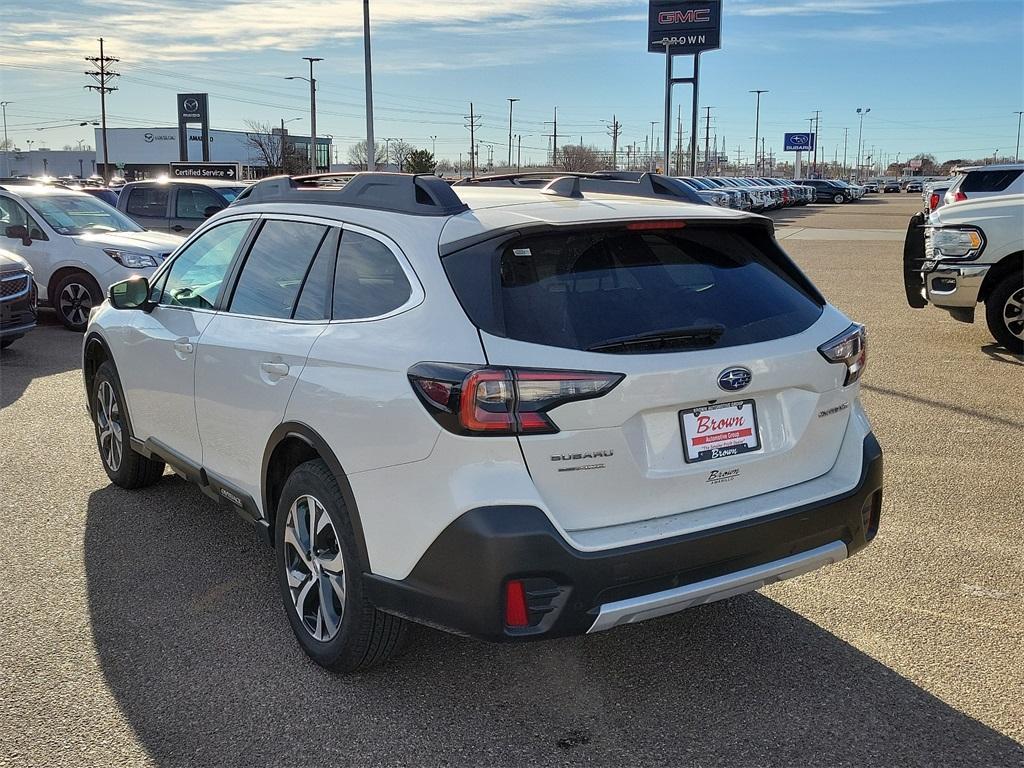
636	609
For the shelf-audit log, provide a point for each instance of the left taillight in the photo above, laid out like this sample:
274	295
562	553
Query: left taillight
468	400
850	348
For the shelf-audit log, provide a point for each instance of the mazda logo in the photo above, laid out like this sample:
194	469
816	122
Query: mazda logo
148	138
734	379
190	105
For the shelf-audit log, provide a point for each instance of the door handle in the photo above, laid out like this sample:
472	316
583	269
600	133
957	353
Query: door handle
275	369
177	228
184	346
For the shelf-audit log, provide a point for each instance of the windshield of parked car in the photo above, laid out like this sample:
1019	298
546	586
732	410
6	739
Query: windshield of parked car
79	214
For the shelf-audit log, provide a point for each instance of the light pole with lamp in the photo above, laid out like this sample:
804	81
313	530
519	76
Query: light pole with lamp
757	126
312	110
283	140
861	111
510	103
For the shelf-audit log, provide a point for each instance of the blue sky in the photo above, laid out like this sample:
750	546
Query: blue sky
940	76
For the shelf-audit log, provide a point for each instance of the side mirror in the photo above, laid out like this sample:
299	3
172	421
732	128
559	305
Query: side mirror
132	293
211	210
19	232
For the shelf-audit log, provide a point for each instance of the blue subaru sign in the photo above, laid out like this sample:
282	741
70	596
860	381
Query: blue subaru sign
799	142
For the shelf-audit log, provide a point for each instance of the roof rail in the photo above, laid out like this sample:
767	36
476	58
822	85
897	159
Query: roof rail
629	183
418	195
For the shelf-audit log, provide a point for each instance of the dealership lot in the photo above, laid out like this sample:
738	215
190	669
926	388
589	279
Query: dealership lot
146	628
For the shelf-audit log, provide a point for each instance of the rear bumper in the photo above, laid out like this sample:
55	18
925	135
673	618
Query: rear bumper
458	584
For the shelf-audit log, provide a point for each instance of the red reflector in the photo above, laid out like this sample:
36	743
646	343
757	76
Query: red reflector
668	224
515	605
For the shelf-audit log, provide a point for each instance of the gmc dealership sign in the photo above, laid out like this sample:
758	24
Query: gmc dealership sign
684	27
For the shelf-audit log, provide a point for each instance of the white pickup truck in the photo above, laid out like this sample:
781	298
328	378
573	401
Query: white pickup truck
970	252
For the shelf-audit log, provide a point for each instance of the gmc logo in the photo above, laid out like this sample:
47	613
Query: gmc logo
685	17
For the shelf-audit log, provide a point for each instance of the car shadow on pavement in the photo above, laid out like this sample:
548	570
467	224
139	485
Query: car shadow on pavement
46	350
1001	354
192	640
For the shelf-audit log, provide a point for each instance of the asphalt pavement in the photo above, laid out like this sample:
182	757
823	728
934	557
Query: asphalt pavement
145	628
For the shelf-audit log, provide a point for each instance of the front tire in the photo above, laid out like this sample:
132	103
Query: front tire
838	199
1004	312
122	464
74	297
319	571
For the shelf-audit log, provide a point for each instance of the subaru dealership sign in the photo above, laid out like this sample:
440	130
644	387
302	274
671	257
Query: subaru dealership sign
799	142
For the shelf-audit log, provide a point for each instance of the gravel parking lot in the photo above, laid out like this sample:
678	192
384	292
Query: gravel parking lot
145	628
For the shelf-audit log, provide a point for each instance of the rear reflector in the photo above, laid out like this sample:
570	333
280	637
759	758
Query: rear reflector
516	614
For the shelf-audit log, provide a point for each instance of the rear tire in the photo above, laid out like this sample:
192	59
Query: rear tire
73	298
838	199
319	571
5	343
1004	312
123	465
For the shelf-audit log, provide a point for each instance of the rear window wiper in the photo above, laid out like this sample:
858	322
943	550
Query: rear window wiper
693	337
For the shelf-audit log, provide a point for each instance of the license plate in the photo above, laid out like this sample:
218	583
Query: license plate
719	431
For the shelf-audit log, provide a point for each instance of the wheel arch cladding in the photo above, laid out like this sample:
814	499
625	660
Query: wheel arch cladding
290	445
95	353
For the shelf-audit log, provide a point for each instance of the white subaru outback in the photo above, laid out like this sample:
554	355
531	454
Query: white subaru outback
510	413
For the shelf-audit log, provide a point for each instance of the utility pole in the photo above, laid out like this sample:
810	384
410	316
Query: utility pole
510	103
370	152
650	156
817	126
554	138
846	136
7	146
473	124
102	75
757	126
433	147
679	140
1017	154
707	140
614	129
519	153
312	114
861	111
761	167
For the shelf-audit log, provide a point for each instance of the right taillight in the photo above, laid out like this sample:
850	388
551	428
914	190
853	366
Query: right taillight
933	201
850	348
502	401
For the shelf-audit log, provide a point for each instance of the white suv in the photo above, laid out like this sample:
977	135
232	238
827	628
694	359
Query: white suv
509	413
77	245
986	181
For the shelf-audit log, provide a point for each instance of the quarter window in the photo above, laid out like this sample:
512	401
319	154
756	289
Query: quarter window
150	202
368	281
275	268
197	273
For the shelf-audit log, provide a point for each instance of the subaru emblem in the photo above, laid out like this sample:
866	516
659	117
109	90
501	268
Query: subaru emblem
734	379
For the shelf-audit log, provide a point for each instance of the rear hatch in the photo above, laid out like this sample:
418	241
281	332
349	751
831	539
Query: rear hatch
712	336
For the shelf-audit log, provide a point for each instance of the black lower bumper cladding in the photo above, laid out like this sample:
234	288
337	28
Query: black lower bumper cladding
458	584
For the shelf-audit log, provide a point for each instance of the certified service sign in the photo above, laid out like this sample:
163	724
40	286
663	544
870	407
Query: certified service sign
683	26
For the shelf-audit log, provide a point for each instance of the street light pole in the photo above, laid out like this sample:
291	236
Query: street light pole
757	126
312	114
7	146
370	164
1017	154
510	103
860	137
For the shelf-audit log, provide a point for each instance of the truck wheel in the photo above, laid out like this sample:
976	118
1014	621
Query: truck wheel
1004	312
319	571
74	297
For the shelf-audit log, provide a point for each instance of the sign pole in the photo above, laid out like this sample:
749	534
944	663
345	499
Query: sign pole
796	165
668	109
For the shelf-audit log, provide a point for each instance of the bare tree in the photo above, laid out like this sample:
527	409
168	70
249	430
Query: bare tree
273	149
357	155
400	151
579	158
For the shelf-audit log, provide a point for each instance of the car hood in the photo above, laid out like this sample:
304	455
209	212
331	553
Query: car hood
12	262
146	242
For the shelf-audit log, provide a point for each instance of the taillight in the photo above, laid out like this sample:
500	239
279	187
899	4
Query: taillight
959	197
851	348
933	201
502	401
644	225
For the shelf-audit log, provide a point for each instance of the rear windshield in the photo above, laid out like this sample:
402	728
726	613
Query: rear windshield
989	181
626	291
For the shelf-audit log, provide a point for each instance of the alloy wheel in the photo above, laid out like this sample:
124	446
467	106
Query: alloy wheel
315	567
1013	313
75	303
109	427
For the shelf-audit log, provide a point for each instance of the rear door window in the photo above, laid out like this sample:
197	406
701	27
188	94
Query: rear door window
625	290
147	201
989	181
